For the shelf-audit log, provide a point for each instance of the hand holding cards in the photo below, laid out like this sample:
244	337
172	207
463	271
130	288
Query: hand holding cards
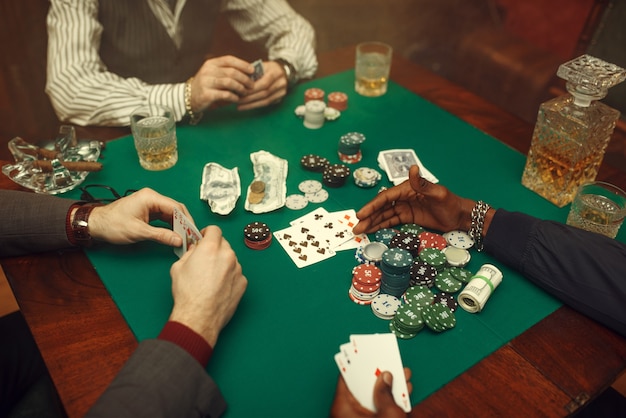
361	360
187	231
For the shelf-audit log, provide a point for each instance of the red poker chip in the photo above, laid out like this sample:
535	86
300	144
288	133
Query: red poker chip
313	94
432	240
367	274
350	159
365	288
359	301
258	245
338	100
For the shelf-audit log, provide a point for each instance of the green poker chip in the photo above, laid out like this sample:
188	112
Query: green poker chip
400	334
461	274
412	229
446	282
434	257
439	317
419	295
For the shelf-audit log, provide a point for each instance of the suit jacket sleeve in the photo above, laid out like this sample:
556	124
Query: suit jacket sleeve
160	380
32	222
583	269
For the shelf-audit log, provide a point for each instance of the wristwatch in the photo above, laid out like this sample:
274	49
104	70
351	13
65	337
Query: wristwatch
290	72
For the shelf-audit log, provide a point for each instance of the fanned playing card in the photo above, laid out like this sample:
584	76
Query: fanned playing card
303	245
187	231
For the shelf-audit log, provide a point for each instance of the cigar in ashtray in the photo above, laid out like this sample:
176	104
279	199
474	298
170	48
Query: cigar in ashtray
46	166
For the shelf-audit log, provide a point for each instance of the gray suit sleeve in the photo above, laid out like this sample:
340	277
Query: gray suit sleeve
160	380
32	222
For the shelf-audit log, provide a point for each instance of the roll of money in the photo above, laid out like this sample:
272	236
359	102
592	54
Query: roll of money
480	287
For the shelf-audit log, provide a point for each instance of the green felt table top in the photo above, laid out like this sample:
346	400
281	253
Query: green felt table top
275	358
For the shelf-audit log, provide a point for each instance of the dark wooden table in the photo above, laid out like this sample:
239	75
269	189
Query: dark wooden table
550	370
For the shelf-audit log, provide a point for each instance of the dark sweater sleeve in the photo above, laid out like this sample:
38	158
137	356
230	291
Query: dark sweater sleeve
32	222
160	380
585	270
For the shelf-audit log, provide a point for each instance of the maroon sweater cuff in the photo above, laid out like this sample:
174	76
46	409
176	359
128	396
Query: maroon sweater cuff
188	340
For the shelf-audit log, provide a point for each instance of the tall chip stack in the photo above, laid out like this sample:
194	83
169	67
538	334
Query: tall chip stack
395	266
349	149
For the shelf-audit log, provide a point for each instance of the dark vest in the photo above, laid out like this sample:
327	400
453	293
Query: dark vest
135	44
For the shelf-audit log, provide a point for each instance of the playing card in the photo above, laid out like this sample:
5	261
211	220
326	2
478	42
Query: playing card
187	231
396	163
326	226
303	245
371	355
258	70
349	219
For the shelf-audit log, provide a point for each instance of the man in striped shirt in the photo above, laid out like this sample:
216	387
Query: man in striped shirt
107	58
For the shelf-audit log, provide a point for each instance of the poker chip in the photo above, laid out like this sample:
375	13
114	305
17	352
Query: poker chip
310	186
300	111
418	296
412	228
459	239
447	300
422	274
406	241
384	235
313	94
318	197
385	306
439	317
314	114
447	283
400	334
461	274
373	252
366	274
338	100
397	260
432	240
457	257
366	177
331	114
314	163
257	235
350	158
335	175
407	322
296	202
434	257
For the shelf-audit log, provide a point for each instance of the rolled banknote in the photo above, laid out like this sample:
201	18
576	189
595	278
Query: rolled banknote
480	287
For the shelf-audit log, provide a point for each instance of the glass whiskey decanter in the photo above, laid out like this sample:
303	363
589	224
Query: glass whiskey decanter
572	131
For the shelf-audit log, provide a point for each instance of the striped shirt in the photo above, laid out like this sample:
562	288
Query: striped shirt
84	92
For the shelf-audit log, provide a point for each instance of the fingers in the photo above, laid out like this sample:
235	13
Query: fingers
383	397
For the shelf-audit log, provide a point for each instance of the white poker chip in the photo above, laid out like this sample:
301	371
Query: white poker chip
300	111
330	113
296	202
385	306
459	239
310	186
318	197
457	257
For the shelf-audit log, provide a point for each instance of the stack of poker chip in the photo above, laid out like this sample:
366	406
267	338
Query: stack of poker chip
312	162
349	149
407	322
365	283
335	175
422	274
395	266
406	241
366	177
433	256
446	282
257	235
370	253
338	100
439	317
419	296
385	306
447	300
314	114
314	93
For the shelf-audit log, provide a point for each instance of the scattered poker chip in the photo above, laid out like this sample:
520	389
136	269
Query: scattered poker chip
296	202
314	163
366	177
384	235
384	306
406	241
402	335
447	300
335	175
439	317
318	197
447	283
313	94
434	257
432	240
338	100
461	274
300	111
373	251
331	114
419	296
310	186
422	274
459	239
457	257
412	228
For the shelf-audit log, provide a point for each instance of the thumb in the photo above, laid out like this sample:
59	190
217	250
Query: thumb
383	398
162	235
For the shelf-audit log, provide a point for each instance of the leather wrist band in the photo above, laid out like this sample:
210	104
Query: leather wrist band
194	118
477	223
79	233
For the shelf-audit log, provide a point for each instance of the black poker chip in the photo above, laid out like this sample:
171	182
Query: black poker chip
446	299
256	231
312	162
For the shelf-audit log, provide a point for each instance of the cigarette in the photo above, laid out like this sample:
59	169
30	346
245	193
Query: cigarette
46	166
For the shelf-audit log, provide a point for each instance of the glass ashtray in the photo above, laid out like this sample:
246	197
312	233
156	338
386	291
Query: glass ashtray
55	178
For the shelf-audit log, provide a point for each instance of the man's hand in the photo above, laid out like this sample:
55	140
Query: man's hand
345	404
126	220
207	285
269	89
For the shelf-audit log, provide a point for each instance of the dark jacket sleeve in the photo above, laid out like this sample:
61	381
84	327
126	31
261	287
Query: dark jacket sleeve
585	270
32	222
160	380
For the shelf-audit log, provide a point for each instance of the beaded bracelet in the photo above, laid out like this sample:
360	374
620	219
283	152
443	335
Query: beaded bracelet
194	118
478	222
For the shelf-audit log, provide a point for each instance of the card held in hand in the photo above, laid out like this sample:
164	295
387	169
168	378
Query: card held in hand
187	231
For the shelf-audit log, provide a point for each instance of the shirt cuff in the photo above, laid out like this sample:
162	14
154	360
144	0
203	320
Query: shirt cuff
188	340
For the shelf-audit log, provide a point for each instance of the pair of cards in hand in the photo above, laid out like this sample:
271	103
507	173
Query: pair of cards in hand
363	359
258	70
187	231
